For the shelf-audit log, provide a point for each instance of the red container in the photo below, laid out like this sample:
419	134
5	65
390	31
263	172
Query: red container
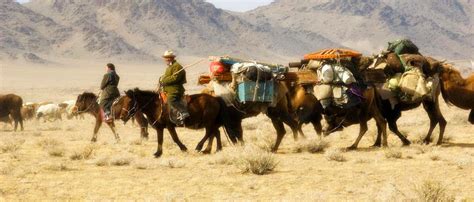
216	68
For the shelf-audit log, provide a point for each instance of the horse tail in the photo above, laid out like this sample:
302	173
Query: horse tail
224	116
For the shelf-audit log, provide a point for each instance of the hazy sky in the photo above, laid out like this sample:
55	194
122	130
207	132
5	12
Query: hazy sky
233	5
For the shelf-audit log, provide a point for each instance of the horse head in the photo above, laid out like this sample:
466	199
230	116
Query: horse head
85	102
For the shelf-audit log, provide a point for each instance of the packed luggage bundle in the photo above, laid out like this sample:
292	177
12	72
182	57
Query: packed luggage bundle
332	54
248	81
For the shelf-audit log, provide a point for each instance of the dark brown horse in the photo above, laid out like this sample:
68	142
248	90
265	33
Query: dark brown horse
431	105
205	112
87	103
305	107
360	114
279	114
10	105
456	90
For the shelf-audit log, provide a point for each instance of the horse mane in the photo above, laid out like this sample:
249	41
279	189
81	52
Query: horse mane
87	96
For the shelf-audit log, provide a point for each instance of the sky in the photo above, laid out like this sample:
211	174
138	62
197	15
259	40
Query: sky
233	5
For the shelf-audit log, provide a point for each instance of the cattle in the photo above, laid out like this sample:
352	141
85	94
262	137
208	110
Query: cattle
10	105
49	112
68	108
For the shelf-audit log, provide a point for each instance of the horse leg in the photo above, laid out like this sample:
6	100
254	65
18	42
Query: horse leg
300	131
112	127
98	123
175	137
317	127
471	117
434	113
392	125
363	129
212	134
280	128
219	142
159	137
378	141
203	140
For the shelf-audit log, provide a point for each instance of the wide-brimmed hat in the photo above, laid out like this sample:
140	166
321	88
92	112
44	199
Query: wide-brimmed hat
169	54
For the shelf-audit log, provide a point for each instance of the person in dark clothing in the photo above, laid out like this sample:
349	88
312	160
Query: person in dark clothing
109	90
172	83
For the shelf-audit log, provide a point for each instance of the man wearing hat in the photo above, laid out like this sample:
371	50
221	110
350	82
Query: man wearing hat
172	84
109	90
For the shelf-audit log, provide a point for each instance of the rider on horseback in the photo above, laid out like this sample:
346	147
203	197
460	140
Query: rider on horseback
172	84
109	90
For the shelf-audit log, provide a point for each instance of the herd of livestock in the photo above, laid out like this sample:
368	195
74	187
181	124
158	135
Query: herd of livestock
294	105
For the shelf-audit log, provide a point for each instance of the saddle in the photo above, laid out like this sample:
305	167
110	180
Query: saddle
174	111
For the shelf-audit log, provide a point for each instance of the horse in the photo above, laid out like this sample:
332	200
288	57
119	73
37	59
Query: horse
205	112
87	103
359	114
456	90
10	105
279	114
431	105
305	107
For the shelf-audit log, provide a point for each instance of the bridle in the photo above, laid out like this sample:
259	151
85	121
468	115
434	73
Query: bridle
136	108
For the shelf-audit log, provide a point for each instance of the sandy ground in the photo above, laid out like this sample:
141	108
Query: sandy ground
39	163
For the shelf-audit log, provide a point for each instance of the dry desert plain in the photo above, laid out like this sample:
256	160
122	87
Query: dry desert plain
57	161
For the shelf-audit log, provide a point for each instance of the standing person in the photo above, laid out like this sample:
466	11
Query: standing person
109	89
172	84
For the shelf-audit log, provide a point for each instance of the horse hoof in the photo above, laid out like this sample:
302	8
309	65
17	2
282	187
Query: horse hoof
407	143
184	149
351	148
206	152
94	140
376	146
158	154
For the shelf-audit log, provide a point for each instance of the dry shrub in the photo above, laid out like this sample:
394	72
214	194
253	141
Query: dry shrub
11	145
142	165
229	156
58	167
104	161
48	142
136	142
311	146
173	163
432	191
393	153
121	160
86	153
256	161
362	160
56	151
264	141
335	155
422	149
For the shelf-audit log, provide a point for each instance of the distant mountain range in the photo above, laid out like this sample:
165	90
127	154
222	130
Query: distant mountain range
140	30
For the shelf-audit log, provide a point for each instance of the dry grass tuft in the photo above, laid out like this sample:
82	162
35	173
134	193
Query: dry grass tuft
433	191
142	165
393	153
56	151
121	160
422	149
311	146
173	163
256	161
229	156
46	143
104	161
86	153
335	155
58	167
11	145
463	162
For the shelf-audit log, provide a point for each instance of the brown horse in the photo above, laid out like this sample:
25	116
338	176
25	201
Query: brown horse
305	107
87	103
10	105
205	112
456	90
360	114
431	105
279	114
